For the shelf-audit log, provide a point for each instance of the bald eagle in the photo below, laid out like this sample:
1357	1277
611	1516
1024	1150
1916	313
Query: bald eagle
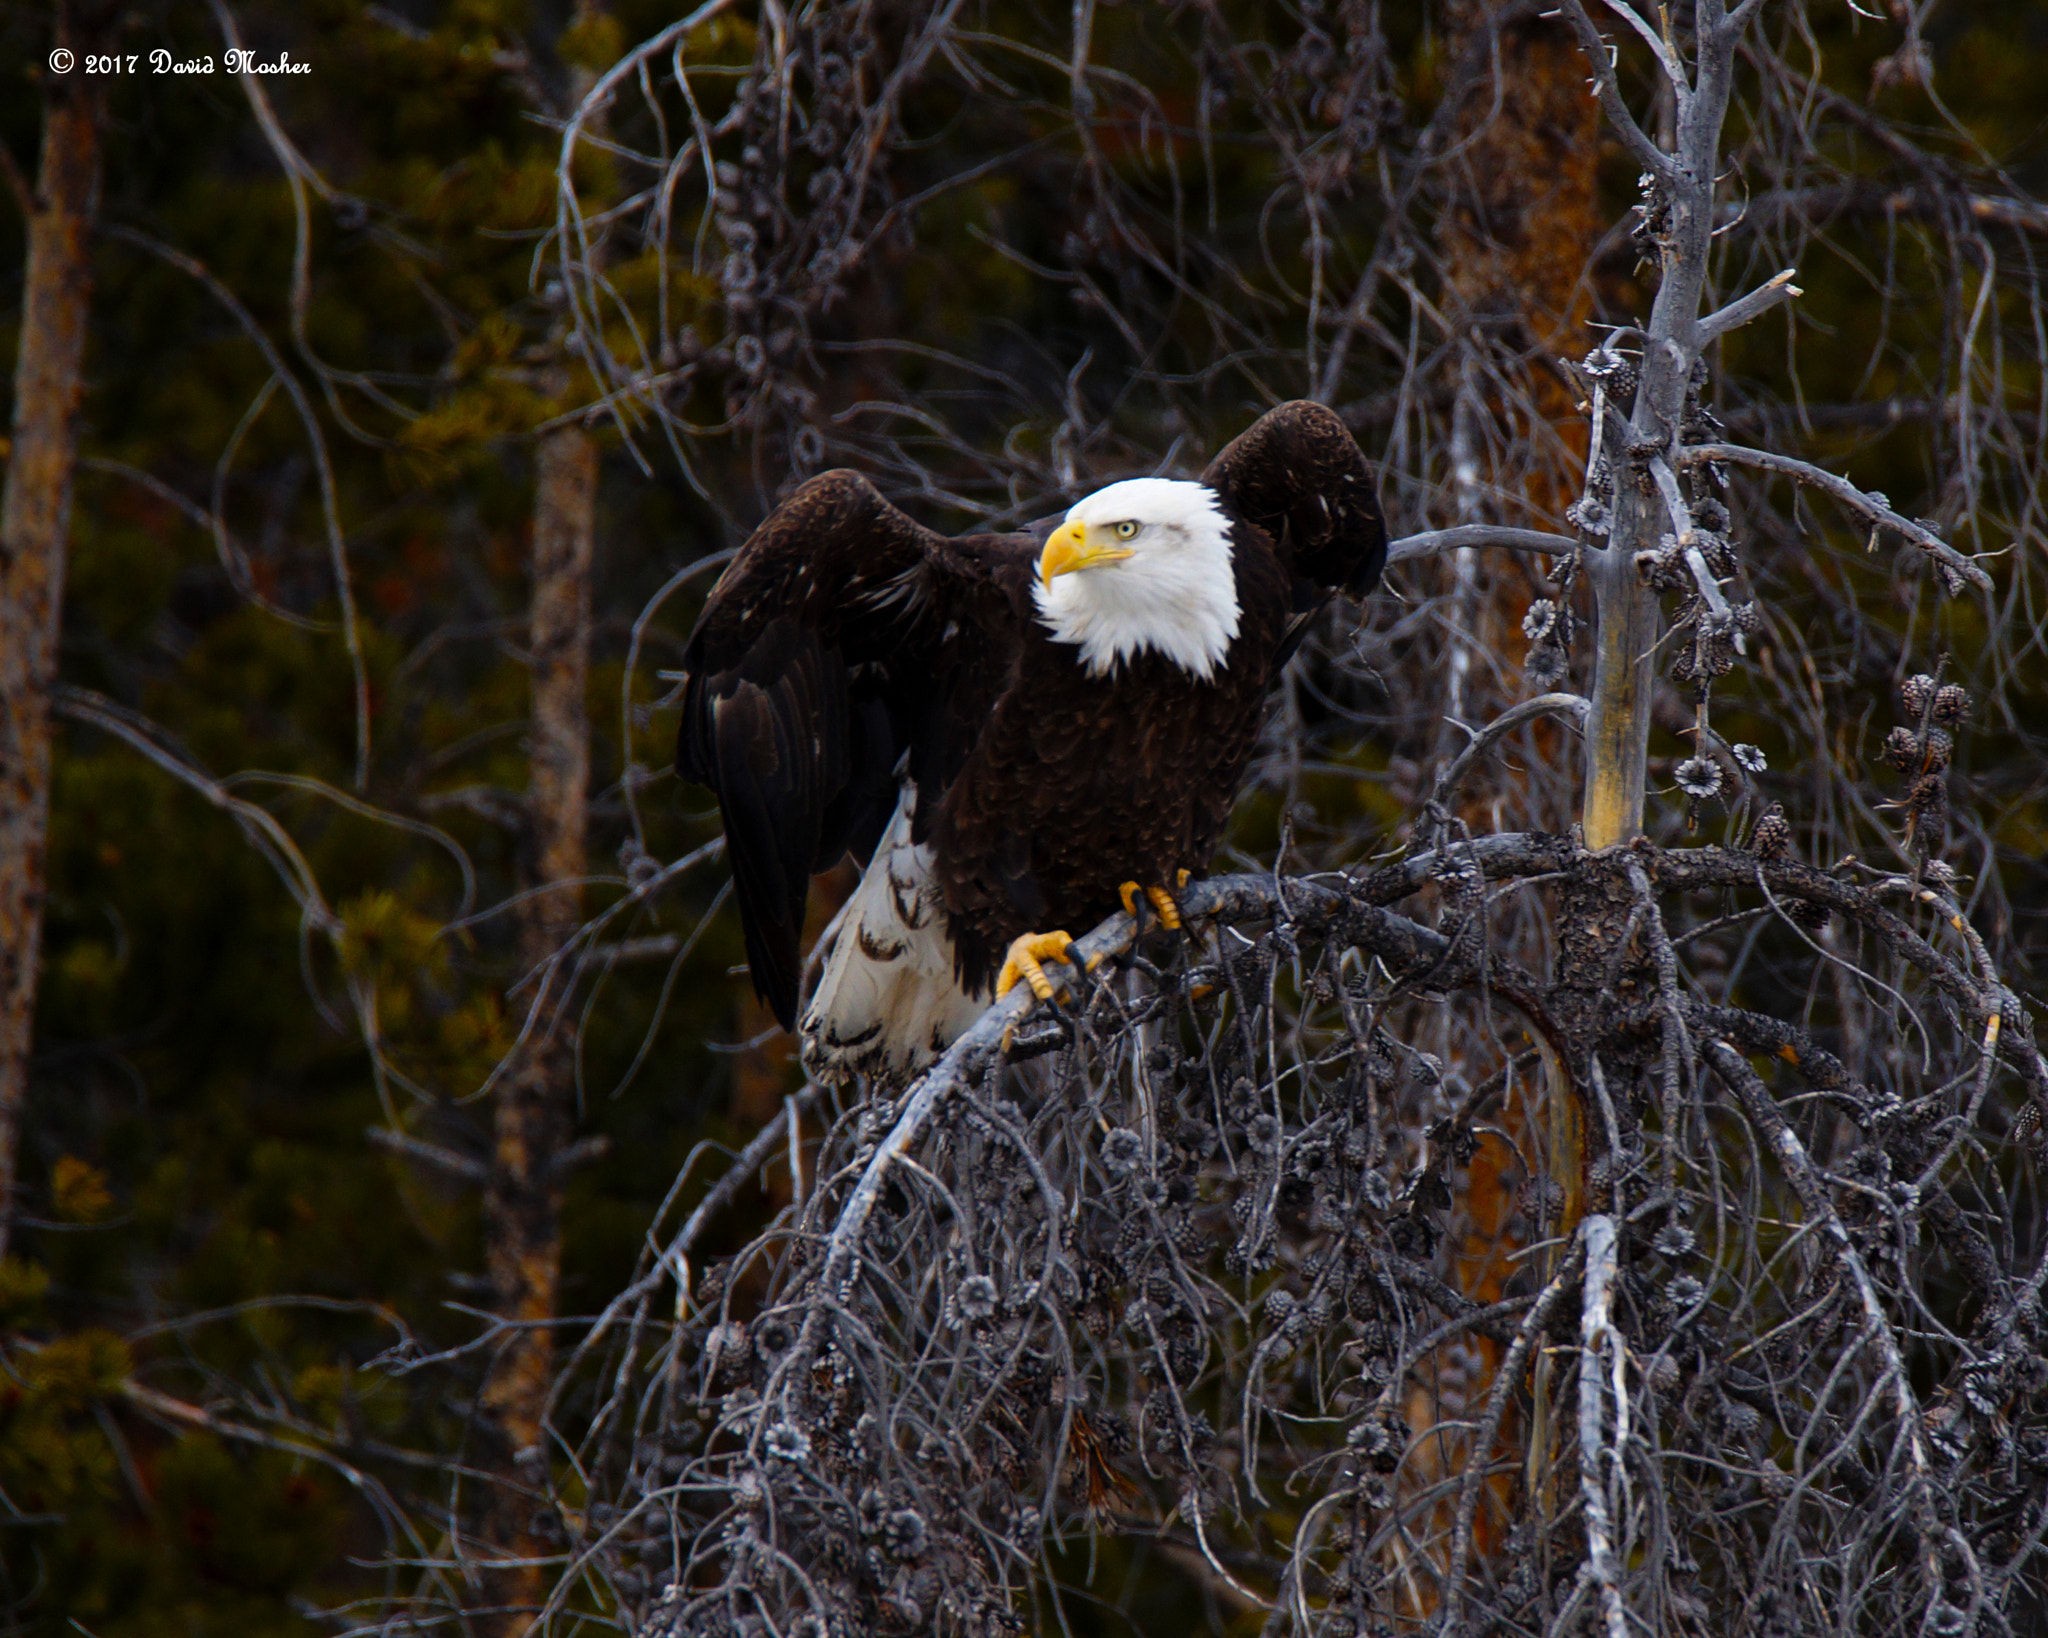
1014	733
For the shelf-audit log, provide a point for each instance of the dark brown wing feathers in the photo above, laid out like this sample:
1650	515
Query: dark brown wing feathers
815	666
1300	476
769	736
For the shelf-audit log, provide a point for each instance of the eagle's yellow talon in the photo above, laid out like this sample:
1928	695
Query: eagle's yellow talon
1023	962
1160	900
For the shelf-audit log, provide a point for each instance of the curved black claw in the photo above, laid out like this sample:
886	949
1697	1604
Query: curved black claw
1086	984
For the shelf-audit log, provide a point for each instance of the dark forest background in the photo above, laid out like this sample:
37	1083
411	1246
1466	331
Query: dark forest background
246	1309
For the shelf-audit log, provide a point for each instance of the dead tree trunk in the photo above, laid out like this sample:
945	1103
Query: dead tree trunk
35	519
1519	228
535	1110
536	1107
1678	217
1515	239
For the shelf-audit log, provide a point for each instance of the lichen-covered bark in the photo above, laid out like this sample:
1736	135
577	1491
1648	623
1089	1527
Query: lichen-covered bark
35	518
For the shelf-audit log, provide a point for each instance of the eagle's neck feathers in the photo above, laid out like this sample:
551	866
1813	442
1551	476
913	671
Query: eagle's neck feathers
1175	594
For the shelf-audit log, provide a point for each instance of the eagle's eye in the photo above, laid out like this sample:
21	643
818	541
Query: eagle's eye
1126	529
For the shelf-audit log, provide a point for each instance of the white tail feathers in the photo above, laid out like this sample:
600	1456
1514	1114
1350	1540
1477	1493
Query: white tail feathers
889	1002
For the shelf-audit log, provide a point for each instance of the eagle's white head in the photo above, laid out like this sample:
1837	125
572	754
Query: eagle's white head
1142	564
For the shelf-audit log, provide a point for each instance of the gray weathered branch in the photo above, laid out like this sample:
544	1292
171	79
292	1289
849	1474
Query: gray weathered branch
1433	542
1597	1342
1563	705
1600	56
1874	509
1777	289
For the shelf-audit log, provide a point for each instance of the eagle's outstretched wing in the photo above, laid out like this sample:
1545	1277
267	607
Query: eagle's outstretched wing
845	640
1300	476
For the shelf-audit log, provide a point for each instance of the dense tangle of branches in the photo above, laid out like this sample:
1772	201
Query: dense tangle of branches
1178	1276
1772	1361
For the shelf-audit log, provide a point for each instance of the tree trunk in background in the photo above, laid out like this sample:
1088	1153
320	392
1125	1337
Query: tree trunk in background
1515	240
536	1108
1515	244
35	518
535	1111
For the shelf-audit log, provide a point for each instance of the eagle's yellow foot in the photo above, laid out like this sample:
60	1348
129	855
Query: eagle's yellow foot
1160	899
1023	962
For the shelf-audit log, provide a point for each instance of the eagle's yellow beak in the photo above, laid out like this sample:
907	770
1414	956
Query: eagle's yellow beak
1069	549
